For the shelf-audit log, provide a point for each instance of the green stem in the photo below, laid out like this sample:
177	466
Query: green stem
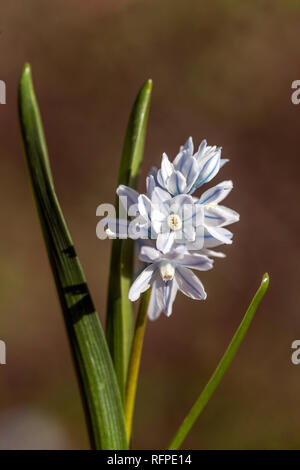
223	365
119	308
135	360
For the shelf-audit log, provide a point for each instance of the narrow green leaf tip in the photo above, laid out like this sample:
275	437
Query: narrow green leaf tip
223	365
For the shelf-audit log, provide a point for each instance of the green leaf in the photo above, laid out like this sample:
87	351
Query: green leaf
119	308
193	415
95	371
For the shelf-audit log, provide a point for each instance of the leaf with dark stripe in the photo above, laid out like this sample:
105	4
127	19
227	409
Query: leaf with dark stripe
95	371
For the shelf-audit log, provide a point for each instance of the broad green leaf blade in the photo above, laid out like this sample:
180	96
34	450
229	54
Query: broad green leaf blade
223	365
97	379
119	308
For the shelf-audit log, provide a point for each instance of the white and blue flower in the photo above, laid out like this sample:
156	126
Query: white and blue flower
168	273
197	223
175	230
188	171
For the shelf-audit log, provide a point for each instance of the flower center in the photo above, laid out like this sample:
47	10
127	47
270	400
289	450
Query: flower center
167	271
174	222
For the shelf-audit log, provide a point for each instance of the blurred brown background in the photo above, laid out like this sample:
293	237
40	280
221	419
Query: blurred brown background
222	70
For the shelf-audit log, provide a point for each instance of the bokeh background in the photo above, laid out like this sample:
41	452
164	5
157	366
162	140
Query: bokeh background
222	70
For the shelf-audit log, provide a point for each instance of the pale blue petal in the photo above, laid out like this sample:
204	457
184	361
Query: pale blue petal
145	207
160	198
160	179
190	170
182	199
210	237
129	193
215	254
223	161
208	169
214	236
179	160
176	183
177	252
142	282
189	283
156	305
189	146
169	295
196	261
149	254
189	233
217	193
150	185
201	150
158	224
165	241
183	161
219	216
166	167
195	215
181	204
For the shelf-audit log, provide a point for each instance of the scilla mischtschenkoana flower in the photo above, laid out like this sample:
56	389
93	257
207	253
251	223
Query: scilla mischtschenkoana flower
175	230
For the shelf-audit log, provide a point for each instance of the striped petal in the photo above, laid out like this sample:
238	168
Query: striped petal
196	261
223	161
156	304
160	198
144	205
142	282
201	150
176	253
165	241
215	254
166	167
188	147
214	236
169	293
150	185
176	183
149	254
219	216
194	214
188	233
208	169
190	170
189	283
217	193
129	193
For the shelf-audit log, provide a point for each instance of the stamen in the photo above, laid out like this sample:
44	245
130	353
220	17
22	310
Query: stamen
167	271
174	222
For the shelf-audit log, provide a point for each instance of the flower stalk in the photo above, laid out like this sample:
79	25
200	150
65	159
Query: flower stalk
119	308
135	360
